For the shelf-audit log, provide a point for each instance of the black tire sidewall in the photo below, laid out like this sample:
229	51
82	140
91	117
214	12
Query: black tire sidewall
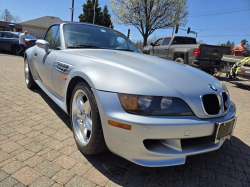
13	49
96	121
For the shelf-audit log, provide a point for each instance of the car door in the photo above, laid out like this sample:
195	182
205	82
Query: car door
1	39
44	62
6	41
156	46
164	48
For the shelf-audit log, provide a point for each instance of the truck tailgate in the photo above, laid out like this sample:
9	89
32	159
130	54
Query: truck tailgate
213	52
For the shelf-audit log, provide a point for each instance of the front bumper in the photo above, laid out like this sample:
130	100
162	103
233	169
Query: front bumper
156	140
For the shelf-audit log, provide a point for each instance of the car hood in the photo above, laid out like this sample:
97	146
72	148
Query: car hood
135	73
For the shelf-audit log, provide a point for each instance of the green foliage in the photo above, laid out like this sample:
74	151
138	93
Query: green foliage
101	18
106	17
230	44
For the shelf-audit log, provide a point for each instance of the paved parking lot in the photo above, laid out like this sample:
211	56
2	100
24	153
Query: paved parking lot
37	147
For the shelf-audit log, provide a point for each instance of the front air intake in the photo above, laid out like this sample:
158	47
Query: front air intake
211	104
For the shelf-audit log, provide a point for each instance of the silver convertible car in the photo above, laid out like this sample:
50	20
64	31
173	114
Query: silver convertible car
148	110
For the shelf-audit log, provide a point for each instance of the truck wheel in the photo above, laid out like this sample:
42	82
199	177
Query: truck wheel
85	121
180	60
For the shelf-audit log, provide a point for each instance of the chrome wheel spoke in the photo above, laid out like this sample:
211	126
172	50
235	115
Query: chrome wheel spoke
85	134
88	124
80	104
86	107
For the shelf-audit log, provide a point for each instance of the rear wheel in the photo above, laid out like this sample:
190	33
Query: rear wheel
15	49
85	121
180	60
30	83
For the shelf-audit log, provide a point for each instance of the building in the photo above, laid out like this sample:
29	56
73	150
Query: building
4	25
37	27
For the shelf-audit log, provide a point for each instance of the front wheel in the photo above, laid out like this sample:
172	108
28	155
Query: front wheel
30	83
85	121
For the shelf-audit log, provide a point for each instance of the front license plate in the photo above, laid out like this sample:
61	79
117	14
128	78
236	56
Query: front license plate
224	130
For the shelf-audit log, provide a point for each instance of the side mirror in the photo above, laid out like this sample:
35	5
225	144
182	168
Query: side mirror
152	44
44	45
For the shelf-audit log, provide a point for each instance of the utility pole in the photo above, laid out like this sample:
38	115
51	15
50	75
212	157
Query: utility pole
72	9
173	30
94	14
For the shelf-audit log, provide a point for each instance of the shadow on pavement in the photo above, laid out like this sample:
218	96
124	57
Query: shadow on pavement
239	83
228	166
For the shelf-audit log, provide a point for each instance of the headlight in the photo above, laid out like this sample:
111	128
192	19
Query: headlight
154	105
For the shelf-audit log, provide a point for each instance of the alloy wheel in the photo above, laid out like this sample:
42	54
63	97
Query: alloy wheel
81	117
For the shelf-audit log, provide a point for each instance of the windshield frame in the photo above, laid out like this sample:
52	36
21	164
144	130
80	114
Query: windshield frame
127	40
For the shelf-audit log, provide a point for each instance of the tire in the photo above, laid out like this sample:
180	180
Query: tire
180	60
85	121
15	49
30	83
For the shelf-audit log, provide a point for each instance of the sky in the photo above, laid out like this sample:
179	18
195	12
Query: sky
223	18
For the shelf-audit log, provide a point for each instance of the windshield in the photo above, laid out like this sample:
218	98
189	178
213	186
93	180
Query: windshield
30	37
87	36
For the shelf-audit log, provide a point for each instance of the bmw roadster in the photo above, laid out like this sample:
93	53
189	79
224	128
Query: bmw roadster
148	110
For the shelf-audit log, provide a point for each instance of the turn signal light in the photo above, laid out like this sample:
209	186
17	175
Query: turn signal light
119	125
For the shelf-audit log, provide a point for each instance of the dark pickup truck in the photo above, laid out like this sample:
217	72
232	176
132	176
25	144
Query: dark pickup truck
186	50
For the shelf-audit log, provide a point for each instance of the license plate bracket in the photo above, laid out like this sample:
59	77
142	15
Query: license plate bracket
224	129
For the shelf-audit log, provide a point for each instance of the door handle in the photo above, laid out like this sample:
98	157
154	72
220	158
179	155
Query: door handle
157	48
166	48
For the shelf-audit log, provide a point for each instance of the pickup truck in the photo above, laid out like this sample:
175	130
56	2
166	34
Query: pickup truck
186	50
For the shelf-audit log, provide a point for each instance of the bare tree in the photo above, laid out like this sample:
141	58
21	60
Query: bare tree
6	16
201	42
149	15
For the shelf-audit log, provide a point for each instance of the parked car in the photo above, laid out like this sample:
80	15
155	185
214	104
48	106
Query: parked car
137	106
186	50
9	41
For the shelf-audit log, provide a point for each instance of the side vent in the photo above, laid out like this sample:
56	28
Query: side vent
63	67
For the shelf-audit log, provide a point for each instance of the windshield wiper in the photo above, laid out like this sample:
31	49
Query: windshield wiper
125	50
83	46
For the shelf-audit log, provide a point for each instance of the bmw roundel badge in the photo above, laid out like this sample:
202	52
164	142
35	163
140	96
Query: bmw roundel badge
213	87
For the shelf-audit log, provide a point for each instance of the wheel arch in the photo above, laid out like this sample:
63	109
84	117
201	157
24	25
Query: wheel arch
70	88
181	54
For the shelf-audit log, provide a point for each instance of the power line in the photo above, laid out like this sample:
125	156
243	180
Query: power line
220	13
221	29
221	35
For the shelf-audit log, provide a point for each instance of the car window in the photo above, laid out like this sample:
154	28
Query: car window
166	41
7	35
15	36
81	35
158	42
57	42
184	40
30	37
51	36
1	34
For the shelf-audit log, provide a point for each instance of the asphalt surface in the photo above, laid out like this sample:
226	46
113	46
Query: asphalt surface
37	147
